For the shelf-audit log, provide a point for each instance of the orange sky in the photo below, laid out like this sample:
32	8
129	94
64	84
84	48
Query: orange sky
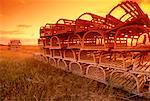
21	19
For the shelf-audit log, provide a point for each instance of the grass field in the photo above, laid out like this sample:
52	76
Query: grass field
22	78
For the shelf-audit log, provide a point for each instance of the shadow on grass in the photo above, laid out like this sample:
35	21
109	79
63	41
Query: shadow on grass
31	80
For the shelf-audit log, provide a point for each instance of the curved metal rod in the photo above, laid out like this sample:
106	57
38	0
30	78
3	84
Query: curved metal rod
80	52
99	67
42	58
74	56
91	31
45	58
54	61
51	40
71	37
70	67
113	9
135	78
100	58
90	14
58	63
56	50
131	27
124	3
62	19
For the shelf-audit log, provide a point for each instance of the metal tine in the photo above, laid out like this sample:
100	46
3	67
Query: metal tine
131	83
138	8
124	79
115	76
130	8
133	7
96	76
128	82
144	67
139	68
148	69
119	79
126	10
128	77
141	82
134	86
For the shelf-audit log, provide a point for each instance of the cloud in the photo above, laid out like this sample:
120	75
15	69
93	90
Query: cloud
6	32
15	31
24	26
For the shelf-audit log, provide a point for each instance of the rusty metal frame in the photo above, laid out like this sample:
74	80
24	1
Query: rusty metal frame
116	34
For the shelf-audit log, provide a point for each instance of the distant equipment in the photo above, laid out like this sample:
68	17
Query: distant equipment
14	44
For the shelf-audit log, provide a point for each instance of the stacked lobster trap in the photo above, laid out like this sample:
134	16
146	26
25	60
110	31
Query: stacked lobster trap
115	48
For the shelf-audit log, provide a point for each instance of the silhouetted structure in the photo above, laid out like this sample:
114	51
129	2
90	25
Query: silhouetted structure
113	49
14	44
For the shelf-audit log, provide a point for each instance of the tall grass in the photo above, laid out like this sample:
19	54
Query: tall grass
31	80
22	78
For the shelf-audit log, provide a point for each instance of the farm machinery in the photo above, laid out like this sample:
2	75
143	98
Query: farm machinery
112	49
14	44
